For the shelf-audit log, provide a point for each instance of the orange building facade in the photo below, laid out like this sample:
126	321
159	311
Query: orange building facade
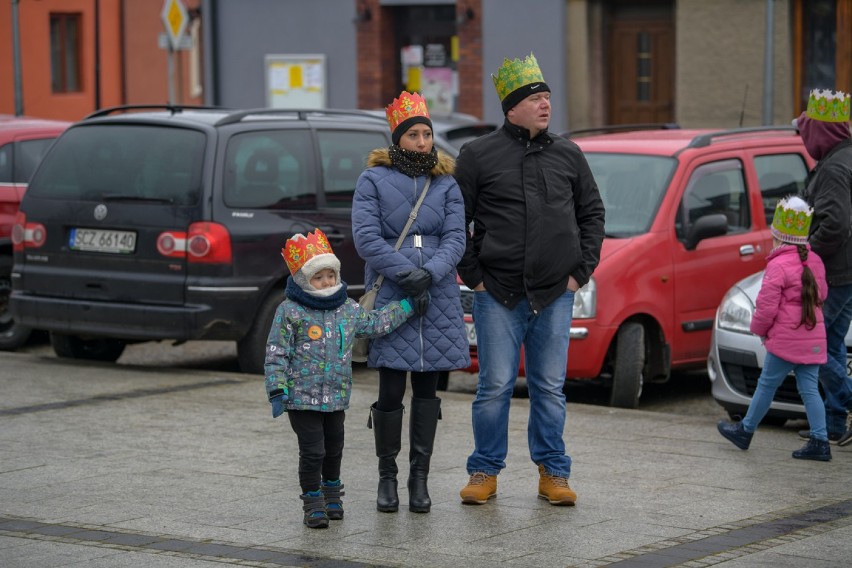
77	56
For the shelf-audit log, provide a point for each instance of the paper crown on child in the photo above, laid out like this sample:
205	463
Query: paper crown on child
309	254
828	106
517	79
792	221
404	112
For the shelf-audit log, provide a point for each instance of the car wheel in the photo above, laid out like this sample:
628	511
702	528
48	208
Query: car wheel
627	378
12	334
443	380
97	349
252	347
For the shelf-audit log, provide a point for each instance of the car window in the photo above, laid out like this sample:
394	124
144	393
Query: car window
631	188
6	163
779	176
124	162
344	157
270	169
28	153
715	188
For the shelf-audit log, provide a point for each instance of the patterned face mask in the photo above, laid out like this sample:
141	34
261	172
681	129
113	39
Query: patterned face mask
413	163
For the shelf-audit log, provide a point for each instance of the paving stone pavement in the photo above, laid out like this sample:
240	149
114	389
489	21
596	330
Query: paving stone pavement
107	466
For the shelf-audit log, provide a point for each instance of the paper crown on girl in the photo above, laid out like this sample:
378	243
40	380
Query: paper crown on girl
792	221
309	253
406	106
517	79
828	106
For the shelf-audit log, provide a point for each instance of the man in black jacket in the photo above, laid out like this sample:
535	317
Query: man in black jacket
538	225
824	127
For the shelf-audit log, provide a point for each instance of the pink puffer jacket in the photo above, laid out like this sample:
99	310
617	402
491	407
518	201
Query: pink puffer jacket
779	308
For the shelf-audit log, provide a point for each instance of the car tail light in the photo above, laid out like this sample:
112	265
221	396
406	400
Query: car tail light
27	235
208	243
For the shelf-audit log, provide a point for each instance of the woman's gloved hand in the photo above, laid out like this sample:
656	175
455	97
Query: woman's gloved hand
420	303
414	281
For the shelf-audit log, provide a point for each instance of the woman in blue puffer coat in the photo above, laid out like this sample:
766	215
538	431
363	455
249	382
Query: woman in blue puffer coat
425	264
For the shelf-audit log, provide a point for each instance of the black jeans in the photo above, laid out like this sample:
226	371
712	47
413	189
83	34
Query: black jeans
392	387
320	437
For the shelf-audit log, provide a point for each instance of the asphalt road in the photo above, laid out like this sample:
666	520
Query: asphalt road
684	394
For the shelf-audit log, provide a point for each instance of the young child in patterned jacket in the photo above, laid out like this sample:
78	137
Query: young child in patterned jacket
308	365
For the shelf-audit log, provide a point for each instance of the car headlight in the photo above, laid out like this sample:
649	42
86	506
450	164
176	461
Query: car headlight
735	311
586	301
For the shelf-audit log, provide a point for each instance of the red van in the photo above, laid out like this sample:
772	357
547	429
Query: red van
687	215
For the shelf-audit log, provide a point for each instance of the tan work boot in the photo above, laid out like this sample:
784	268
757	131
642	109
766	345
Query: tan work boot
554	488
479	489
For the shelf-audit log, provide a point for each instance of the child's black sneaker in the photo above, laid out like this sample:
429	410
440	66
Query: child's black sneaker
333	491
314	507
818	450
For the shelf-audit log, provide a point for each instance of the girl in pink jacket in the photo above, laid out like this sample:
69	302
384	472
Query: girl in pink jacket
788	319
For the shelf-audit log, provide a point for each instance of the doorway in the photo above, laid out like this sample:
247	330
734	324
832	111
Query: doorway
641	62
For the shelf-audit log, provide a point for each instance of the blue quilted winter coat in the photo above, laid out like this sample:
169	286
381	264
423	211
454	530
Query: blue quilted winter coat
384	197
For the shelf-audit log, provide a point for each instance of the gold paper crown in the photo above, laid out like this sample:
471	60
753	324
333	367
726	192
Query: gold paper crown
792	221
406	106
828	106
515	74
300	249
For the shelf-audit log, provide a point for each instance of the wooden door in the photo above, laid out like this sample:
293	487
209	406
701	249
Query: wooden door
641	72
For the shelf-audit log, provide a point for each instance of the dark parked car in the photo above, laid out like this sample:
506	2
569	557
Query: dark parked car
152	223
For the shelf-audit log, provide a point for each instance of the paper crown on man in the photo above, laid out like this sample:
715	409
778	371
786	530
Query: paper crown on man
309	254
517	79
792	221
404	112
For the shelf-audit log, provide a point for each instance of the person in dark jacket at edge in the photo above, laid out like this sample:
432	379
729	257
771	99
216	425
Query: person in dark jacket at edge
824	127
425	264
538	227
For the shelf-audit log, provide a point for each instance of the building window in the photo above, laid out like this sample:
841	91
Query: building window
65	52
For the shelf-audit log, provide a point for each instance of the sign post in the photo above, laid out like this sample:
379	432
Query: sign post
175	18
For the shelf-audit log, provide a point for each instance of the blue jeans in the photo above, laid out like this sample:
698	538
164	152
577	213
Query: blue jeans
837	386
500	332
775	369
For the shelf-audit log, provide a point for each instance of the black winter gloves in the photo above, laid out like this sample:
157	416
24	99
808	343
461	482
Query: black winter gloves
414	282
420	302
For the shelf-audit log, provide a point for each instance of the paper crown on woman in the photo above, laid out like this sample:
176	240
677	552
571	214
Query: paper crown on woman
516	80
404	112
828	106
792	221
309	254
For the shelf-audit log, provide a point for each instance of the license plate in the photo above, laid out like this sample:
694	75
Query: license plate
471	333
102	240
849	366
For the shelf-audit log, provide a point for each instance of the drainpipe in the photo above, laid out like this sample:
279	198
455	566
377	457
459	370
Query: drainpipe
768	87
97	55
16	60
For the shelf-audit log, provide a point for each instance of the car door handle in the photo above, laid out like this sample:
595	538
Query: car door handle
746	249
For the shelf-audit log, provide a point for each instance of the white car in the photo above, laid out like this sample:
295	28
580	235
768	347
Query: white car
736	357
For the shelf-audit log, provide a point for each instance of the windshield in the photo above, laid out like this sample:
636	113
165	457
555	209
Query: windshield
632	187
156	164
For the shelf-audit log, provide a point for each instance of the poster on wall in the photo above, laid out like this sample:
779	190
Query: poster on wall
295	81
437	86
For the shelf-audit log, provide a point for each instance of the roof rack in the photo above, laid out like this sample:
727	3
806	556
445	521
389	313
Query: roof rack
174	109
300	114
703	140
624	128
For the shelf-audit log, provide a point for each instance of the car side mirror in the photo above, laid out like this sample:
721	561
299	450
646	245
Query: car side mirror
705	227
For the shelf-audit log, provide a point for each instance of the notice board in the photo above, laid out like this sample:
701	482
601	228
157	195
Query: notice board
295	81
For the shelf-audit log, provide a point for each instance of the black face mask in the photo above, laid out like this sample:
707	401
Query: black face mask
413	163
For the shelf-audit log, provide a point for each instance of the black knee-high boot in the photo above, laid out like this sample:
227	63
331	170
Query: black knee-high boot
424	421
387	428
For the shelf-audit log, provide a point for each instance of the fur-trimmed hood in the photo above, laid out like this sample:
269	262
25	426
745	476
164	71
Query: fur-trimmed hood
446	165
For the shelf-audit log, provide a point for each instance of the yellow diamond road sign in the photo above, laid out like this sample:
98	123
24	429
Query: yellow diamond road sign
175	18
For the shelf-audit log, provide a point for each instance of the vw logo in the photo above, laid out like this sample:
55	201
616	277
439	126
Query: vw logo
100	212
